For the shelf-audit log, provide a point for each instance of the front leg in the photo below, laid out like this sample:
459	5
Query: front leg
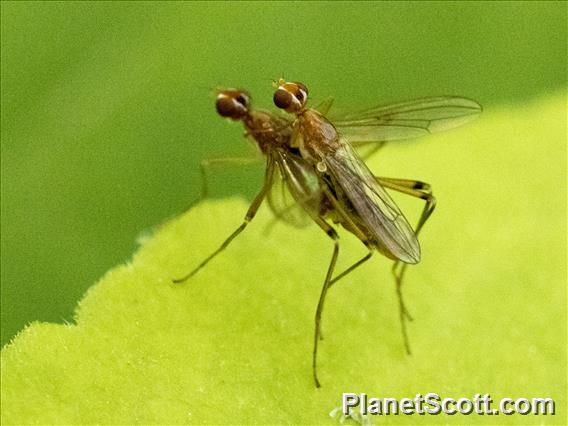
248	218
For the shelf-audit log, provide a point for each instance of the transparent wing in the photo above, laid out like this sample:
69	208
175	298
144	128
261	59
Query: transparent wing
406	120
373	204
324	106
283	204
295	194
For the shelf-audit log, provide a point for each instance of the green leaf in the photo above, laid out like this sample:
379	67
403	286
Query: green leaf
233	344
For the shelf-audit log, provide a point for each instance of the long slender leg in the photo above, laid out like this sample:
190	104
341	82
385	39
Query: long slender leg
416	189
352	226
347	271
423	191
333	235
352	267
354	229
248	217
358	233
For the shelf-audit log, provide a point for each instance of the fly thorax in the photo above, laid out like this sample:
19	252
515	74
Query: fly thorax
318	135
266	130
328	131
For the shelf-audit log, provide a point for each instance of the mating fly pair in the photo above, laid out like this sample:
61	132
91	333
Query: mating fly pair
312	167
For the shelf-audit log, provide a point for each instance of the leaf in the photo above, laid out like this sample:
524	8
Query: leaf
233	344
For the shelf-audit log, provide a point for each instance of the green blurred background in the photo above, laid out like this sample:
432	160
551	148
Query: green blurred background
107	108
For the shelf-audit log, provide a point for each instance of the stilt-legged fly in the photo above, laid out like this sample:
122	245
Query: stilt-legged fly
289	179
297	190
291	185
358	199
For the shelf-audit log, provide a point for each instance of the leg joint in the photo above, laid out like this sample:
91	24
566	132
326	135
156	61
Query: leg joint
332	234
